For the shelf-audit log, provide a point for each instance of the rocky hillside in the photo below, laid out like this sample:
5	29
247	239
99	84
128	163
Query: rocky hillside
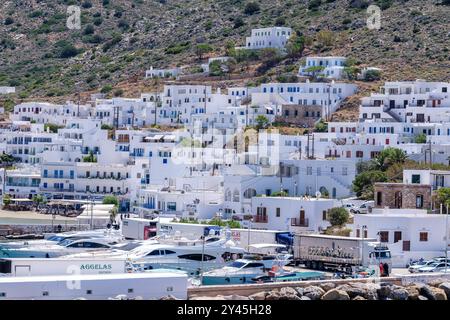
120	39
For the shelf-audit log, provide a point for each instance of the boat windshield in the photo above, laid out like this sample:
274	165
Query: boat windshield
65	242
56	238
237	264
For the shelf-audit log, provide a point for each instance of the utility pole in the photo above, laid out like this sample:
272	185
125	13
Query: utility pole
312	145
431	157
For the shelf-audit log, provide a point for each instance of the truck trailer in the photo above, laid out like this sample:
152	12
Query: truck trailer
337	253
25	267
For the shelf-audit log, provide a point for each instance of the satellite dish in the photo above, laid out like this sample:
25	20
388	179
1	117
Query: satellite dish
318	194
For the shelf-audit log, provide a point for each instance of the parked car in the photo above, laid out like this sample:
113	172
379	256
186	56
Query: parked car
435	267
350	207
366	207
420	264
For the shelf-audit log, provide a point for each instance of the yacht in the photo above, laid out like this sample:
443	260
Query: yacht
244	270
61	248
58	237
169	253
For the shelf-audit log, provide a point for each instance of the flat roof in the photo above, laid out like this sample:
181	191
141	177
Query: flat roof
334	237
81	277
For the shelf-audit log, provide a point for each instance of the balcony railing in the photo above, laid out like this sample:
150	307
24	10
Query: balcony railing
297	222
260	219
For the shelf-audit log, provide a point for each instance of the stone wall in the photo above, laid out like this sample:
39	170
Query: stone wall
18	229
300	114
401	196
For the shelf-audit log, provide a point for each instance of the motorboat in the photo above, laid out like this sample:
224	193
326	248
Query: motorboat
286	276
58	237
191	257
62	248
245	269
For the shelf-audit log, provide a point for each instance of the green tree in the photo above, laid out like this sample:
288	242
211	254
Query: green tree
6	158
261	121
251	8
421	138
6	200
388	157
111	200
443	196
238	22
279	194
90	157
351	72
325	38
372	75
321	126
295	46
338	216
201	49
38	199
363	183
314	70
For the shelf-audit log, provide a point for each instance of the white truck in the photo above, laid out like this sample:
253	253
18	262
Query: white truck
94	287
139	229
245	237
24	267
188	230
325	252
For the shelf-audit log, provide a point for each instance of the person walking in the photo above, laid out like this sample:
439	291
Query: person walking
386	269
381	270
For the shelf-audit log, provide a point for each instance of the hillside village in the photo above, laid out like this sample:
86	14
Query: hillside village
195	152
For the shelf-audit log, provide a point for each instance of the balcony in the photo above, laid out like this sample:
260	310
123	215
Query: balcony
260	219
297	222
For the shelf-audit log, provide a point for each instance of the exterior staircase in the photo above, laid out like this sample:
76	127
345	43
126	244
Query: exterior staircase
395	116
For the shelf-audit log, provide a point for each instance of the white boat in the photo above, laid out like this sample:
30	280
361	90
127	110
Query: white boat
94	287
58	237
173	254
252	265
62	248
238	272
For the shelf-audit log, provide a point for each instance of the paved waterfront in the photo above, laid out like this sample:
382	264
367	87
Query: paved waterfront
31	217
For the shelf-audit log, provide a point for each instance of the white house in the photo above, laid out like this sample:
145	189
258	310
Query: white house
333	67
162	73
273	37
409	233
296	214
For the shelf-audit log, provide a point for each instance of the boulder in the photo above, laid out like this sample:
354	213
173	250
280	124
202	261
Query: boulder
436	282
273	295
413	292
327	286
288	291
399	294
236	297
313	292
259	296
446	287
384	291
207	298
335	294
300	291
353	291
304	298
433	293
168	297
359	298
420	297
